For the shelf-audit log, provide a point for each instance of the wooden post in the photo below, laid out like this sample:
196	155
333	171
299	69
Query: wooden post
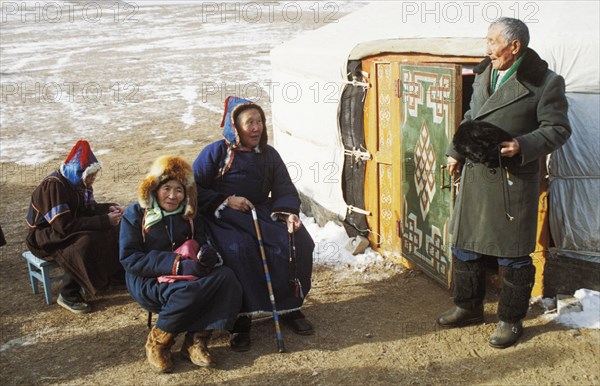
543	234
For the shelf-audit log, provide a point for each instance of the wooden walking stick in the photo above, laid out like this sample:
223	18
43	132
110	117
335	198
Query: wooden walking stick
278	335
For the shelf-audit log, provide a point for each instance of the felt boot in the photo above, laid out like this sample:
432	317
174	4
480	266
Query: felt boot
158	350
195	348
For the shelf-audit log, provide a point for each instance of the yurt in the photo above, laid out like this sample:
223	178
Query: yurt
369	104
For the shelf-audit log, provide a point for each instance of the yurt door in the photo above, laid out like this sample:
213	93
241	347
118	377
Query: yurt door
430	109
382	173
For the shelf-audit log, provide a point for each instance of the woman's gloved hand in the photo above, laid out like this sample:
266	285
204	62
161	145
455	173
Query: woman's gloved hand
208	256
191	267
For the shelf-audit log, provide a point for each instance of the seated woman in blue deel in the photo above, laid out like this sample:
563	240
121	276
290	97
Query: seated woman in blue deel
235	175
172	270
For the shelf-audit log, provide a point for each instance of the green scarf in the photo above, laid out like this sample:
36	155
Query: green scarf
155	214
511	70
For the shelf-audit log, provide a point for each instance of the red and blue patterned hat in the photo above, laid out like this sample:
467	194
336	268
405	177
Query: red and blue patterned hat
80	163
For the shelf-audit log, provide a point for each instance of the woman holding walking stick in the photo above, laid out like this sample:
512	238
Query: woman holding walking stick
236	175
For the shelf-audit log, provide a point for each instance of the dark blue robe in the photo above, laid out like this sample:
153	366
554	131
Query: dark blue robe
263	179
208	303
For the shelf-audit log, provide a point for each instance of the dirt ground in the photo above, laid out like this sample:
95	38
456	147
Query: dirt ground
373	327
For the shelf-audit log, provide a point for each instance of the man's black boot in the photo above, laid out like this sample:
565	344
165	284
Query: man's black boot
513	305
469	292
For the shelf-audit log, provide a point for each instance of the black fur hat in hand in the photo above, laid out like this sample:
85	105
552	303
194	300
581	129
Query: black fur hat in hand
480	141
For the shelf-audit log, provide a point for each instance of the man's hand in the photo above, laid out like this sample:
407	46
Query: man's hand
510	148
453	166
239	203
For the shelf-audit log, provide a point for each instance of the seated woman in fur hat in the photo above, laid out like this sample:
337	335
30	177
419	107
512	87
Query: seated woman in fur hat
240	173
67	225
172	270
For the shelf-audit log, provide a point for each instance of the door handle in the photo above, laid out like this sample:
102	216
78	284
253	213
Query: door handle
444	184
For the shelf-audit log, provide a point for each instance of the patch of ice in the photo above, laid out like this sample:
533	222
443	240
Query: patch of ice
34	157
26	340
190	94
209	107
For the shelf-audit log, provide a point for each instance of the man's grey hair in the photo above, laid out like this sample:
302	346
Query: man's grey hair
513	29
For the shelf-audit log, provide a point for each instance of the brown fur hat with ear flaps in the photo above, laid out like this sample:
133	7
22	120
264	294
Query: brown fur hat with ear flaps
164	169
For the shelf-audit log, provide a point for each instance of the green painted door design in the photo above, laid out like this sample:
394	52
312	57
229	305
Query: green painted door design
430	110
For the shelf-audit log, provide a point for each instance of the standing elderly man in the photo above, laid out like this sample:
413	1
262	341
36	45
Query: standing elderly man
496	208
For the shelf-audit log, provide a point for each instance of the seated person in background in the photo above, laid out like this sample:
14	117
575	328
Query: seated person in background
235	175
67	225
171	269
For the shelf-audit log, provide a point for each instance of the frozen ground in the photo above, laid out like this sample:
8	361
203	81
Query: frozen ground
108	69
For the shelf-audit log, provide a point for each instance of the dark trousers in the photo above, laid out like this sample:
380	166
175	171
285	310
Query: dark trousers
69	288
512	262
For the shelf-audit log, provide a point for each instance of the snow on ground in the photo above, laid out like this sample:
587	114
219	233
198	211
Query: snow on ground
183	142
589	317
330	250
68	73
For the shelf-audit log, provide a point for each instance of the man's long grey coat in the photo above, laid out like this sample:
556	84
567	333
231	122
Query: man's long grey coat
532	107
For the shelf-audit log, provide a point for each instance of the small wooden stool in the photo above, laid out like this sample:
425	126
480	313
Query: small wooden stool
39	270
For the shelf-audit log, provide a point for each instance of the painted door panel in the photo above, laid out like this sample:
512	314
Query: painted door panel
430	109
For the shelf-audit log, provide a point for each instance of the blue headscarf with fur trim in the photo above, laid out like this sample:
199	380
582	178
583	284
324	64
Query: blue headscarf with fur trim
229	131
233	107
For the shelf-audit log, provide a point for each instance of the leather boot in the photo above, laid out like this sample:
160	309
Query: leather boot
513	305
506	334
240	341
469	292
459	317
195	348
158	350
298	322
240	336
